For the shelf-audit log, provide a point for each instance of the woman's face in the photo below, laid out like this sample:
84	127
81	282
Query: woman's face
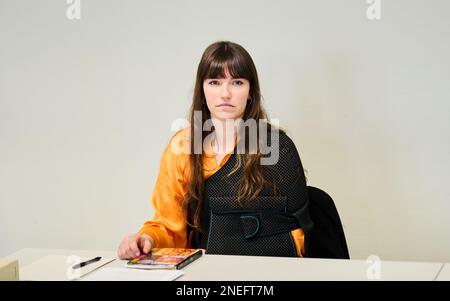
226	98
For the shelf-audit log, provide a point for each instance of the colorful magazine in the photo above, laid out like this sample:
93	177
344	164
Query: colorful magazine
165	258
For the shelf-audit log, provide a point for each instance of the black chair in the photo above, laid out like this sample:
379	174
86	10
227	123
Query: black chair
327	238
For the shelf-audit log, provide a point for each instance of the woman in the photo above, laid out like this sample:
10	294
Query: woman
221	187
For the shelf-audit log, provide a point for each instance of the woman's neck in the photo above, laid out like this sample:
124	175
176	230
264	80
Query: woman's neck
224	136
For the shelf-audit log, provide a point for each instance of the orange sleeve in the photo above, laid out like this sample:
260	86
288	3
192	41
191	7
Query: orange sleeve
168	227
299	241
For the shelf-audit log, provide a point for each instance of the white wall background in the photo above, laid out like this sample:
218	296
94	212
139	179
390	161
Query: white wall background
86	107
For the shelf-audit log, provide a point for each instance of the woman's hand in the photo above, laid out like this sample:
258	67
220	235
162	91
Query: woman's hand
135	245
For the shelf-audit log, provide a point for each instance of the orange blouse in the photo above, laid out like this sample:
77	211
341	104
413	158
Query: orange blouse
168	227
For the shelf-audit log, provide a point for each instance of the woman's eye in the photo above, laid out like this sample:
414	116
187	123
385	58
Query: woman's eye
238	83
214	82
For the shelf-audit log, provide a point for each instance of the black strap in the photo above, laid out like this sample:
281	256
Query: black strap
264	223
303	219
260	224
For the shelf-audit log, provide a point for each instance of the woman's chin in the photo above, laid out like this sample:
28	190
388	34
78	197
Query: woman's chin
226	116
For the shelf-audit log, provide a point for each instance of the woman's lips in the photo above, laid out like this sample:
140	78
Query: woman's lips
225	105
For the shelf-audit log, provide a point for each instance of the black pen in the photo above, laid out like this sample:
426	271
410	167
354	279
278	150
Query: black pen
85	263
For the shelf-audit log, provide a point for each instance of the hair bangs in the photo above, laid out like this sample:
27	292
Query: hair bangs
227	62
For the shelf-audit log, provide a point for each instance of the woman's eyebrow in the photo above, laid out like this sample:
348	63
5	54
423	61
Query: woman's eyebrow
232	78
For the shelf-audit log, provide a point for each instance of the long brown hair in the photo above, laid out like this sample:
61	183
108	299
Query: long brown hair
217	59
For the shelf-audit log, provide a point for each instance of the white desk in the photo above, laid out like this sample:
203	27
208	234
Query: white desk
444	275
224	268
30	255
242	268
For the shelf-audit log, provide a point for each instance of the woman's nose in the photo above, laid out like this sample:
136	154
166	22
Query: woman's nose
226	91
